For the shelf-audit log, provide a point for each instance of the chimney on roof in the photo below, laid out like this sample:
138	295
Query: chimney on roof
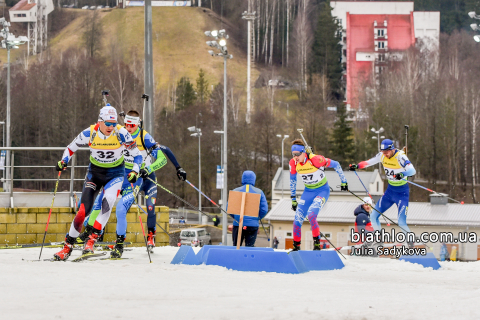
438	199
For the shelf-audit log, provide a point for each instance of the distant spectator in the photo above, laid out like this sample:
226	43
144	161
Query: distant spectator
275	243
250	224
216	221
443	252
182	220
362	213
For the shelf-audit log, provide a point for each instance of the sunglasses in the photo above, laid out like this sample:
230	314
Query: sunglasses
128	125
296	154
110	124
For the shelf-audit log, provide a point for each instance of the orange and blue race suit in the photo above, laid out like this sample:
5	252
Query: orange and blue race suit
316	193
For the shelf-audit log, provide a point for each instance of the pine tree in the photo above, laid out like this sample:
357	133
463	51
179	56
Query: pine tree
186	95
341	144
326	49
203	93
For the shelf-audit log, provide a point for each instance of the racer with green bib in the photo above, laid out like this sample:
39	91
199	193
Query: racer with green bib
154	159
397	166
107	141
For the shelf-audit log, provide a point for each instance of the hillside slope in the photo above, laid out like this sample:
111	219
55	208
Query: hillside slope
178	42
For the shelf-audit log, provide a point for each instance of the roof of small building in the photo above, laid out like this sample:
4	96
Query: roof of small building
22	5
419	213
354	184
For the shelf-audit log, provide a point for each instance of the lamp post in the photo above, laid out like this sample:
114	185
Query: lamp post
197	132
280	102
283	158
377	132
9	42
221	157
3	144
474	26
221	45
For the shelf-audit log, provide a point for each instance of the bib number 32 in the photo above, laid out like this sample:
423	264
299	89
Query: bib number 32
105	155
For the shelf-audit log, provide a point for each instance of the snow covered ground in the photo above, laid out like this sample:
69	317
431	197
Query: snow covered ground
367	288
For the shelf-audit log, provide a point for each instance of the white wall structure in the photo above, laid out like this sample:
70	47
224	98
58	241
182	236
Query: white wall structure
427	25
340	8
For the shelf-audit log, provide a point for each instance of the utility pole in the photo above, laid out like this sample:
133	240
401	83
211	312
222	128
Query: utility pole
149	112
221	45
249	16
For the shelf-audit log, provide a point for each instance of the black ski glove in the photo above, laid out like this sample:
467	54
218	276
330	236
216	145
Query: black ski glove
181	174
353	167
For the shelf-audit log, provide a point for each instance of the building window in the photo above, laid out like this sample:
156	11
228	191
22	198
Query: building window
289	234
381	57
20	15
381	44
344	52
378	186
380	32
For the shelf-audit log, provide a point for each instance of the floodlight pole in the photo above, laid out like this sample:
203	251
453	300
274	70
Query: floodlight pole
225	122
148	112
7	162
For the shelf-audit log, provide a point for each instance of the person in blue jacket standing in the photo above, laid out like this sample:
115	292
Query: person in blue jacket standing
250	224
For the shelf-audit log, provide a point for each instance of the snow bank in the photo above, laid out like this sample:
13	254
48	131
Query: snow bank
367	288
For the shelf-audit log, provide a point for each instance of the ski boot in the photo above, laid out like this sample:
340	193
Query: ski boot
118	249
92	238
66	251
84	235
296	245
316	243
151	239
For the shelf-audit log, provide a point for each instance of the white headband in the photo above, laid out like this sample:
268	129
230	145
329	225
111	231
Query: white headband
132	120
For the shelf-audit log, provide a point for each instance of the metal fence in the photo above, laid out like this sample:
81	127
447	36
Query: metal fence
38	197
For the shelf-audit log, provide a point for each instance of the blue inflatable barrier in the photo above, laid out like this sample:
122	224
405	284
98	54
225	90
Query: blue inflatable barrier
185	255
297	260
251	260
204	250
427	261
317	260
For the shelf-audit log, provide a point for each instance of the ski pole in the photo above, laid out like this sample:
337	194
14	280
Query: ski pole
146	197
184	201
378	212
461	202
141	223
50	214
388	224
386	217
406	138
333	245
307	147
203	194
264	230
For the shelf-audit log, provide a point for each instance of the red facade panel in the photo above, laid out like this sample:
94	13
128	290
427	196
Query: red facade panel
360	38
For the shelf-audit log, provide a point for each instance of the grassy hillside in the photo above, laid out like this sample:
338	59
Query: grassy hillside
178	42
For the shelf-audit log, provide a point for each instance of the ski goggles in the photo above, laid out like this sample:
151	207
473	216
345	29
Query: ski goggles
129	125
110	124
296	154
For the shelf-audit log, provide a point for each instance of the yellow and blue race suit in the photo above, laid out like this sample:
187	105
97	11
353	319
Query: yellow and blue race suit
397	191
